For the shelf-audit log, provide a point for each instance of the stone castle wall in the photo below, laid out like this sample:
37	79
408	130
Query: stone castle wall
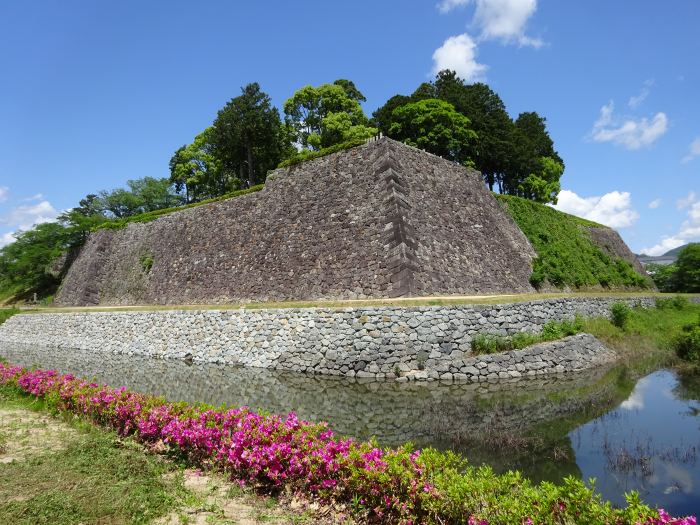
379	220
373	342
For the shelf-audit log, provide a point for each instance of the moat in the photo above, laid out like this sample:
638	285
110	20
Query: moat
630	430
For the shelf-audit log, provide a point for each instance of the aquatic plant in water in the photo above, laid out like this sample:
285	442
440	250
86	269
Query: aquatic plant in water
271	452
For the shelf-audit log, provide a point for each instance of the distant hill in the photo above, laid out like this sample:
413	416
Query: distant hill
676	251
667	258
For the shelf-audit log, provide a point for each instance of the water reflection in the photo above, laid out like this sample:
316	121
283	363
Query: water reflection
603	423
649	443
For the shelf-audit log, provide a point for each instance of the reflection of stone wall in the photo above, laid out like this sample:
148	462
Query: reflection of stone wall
378	220
426	413
419	343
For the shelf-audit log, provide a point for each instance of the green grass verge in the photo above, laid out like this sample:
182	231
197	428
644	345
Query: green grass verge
95	478
6	313
409	302
566	254
304	155
118	224
648	332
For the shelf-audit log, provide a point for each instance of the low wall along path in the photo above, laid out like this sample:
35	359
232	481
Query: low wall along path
422	343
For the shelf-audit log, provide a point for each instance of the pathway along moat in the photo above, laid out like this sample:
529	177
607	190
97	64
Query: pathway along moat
629	433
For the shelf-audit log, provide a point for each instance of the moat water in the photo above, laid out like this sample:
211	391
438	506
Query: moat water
629	430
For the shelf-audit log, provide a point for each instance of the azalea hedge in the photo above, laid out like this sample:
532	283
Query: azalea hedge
273	453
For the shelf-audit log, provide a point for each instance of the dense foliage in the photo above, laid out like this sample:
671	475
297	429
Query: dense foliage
687	344
319	117
435	126
274	453
566	255
681	276
515	156
551	331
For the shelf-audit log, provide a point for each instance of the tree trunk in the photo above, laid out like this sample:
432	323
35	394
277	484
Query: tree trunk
251	168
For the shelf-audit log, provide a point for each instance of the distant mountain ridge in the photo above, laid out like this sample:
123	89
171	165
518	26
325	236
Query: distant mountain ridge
667	258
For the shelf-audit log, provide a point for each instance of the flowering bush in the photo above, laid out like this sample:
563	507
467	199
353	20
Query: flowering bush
272	452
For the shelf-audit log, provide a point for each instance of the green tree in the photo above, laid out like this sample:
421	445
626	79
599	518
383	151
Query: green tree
196	171
687	276
663	275
350	89
120	203
24	262
489	119
530	143
508	154
248	137
142	195
322	116
154	194
543	185
435	126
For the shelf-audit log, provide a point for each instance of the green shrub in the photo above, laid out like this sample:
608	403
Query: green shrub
523	339
146	262
490	344
566	254
676	303
687	344
551	331
620	314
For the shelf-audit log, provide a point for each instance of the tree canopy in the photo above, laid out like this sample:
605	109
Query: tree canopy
681	276
436	126
248	137
319	117
515	157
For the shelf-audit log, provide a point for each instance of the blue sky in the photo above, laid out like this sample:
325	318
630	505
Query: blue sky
95	93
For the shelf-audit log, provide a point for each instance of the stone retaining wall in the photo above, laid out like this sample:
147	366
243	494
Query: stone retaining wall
377	342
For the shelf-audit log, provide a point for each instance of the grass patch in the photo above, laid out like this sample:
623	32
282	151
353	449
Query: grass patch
648	332
118	224
95	478
6	313
304	155
566	255
551	331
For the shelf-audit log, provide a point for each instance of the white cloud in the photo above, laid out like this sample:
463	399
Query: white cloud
630	133
4	192
688	232
693	151
448	5
613	209
25	216
686	201
459	54
636	101
655	204
7	238
503	20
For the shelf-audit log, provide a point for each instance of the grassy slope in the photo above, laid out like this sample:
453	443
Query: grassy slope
567	257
